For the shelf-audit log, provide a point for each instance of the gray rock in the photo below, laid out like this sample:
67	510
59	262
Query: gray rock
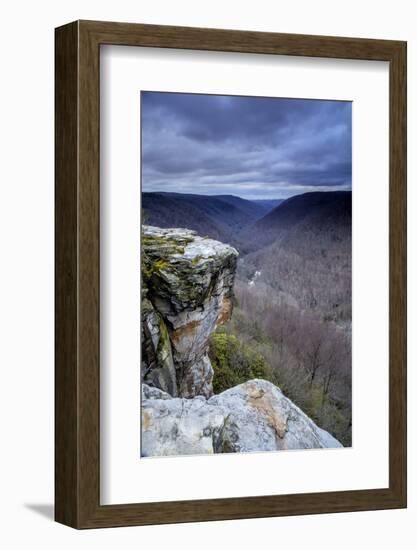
158	367
149	392
187	285
254	416
187	292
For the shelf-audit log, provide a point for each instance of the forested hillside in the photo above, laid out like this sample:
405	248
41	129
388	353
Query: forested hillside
163	210
291	322
220	217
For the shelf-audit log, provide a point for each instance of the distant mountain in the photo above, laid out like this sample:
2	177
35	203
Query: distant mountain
269	204
316	212
220	217
254	209
303	248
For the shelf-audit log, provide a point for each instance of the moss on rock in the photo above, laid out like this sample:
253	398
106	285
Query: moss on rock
235	362
187	280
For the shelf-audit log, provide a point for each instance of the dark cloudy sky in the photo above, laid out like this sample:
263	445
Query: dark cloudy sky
245	146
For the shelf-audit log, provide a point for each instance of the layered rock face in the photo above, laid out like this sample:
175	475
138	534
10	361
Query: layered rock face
187	286
187	283
254	416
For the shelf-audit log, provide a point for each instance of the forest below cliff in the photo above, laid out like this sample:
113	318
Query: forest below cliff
291	322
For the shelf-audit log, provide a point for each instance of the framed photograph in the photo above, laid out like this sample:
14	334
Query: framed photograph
230	274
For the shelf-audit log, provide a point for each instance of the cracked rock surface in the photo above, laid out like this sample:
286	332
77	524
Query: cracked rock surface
187	289
254	416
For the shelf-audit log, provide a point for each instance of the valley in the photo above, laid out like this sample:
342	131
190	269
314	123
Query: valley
292	294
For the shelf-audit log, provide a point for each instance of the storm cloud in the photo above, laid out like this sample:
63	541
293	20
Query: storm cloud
246	146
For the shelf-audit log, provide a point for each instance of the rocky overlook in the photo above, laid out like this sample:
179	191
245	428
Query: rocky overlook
254	416
187	286
187	291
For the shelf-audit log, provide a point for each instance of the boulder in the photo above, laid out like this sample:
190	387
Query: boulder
254	416
187	286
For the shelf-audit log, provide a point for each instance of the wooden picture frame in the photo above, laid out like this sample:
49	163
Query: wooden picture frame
77	382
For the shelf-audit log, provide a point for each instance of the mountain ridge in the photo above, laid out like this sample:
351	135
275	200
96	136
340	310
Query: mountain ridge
219	217
320	212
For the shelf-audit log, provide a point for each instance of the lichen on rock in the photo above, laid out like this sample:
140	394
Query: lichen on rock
187	288
187	291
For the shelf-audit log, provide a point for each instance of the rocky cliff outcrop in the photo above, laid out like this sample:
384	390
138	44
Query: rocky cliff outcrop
187	291
254	416
187	286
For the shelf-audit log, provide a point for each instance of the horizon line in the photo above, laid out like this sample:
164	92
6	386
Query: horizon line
244	198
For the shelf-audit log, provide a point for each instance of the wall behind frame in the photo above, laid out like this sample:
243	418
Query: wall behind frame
27	272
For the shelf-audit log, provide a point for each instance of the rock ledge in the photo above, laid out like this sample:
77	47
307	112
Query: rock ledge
187	283
254	416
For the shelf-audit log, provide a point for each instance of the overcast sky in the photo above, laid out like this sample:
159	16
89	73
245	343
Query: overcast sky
255	148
